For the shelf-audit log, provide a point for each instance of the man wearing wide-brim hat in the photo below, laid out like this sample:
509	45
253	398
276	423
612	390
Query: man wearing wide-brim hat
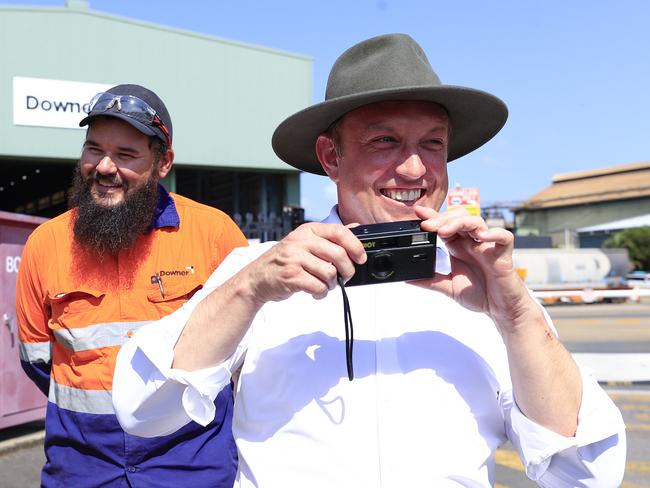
443	372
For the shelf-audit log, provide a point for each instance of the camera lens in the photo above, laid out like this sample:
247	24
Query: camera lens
382	267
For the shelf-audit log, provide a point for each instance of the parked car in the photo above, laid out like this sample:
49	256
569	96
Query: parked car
638	278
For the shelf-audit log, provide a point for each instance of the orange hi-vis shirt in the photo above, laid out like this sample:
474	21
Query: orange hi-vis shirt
84	308
75	311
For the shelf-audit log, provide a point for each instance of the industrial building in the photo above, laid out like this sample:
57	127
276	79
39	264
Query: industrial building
586	200
225	99
596	235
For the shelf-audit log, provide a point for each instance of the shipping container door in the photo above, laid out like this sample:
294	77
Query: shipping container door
20	400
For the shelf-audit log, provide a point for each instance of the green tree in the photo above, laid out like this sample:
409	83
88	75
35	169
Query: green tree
637	243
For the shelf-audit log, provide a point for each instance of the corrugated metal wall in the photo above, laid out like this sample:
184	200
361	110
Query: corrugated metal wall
225	98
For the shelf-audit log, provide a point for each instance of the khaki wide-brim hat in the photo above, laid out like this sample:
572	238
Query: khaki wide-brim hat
391	67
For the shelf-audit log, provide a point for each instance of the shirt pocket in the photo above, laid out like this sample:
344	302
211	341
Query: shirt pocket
75	321
79	301
171	296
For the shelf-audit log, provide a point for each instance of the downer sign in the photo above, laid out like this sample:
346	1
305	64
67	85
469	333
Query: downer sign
52	103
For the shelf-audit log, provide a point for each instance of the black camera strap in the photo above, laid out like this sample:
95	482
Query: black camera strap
349	332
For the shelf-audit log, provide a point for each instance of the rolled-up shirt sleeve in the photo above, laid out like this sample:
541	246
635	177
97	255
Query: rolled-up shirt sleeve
150	397
594	457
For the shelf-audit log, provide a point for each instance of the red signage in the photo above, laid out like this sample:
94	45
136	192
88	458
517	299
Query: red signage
468	198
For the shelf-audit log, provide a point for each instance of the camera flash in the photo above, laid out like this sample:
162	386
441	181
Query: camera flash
419	238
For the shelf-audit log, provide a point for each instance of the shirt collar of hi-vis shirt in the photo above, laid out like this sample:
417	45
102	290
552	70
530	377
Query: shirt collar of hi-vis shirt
166	214
443	263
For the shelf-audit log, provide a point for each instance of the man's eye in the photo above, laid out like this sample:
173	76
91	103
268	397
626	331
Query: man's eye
126	156
435	142
385	139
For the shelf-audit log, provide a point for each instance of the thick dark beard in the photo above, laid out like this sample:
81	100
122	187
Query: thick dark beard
107	230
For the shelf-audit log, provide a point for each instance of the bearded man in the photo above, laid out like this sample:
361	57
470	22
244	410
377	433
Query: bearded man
125	254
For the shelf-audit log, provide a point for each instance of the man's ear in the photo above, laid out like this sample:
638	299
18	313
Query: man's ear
166	162
326	153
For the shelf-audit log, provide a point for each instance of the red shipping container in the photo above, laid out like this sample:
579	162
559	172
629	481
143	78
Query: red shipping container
20	400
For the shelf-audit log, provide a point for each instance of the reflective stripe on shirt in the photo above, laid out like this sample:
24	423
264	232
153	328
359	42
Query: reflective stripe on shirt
78	400
36	352
98	335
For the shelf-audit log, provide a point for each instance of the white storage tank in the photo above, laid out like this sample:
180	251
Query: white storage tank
567	268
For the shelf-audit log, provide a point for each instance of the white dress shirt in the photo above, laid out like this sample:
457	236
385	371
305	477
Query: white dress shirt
430	403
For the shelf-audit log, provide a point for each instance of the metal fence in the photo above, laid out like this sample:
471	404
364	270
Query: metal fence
271	226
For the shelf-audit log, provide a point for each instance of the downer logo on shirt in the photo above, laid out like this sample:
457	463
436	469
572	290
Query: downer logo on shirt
176	272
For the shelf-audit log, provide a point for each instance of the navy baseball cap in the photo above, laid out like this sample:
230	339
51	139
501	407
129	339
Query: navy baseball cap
135	104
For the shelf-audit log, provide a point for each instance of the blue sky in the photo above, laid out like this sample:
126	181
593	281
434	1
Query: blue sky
574	74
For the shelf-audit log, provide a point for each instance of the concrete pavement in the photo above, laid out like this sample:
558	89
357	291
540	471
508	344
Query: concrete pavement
20	437
617	367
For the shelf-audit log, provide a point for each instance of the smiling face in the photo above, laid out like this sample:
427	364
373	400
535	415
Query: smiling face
115	186
118	159
390	156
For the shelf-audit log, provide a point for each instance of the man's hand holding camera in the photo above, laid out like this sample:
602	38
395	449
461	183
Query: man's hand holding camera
483	278
308	259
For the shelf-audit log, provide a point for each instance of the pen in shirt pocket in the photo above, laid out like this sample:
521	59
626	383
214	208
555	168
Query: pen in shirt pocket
157	279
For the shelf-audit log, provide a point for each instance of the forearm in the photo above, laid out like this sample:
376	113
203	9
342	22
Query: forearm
151	398
307	260
546	381
217	325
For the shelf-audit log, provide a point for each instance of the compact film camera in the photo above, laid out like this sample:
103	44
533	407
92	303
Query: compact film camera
397	251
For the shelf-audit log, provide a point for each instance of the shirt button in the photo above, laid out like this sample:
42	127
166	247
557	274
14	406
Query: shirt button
129	333
131	469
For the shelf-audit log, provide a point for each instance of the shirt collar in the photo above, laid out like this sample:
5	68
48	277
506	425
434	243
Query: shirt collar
166	214
443	262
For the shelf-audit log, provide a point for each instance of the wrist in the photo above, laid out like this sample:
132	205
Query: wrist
525	322
517	311
242	290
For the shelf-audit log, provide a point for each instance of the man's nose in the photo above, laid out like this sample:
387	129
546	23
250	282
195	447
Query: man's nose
412	167
106	166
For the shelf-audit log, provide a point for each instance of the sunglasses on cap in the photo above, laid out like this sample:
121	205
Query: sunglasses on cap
128	105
